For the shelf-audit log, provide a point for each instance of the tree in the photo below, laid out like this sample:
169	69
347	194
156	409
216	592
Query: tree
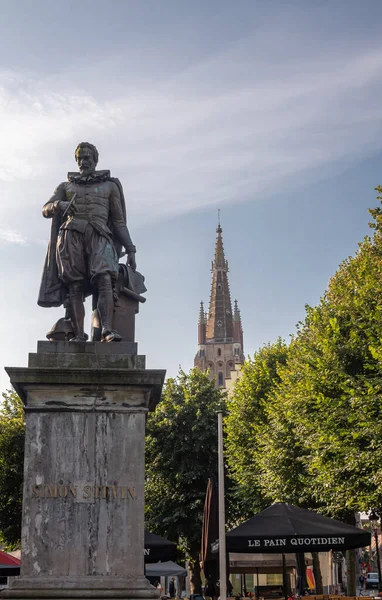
331	387
321	421
181	454
320	426
12	435
328	404
247	422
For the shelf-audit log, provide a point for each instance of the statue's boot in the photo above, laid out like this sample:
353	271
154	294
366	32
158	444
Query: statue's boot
77	339
76	295
105	307
111	336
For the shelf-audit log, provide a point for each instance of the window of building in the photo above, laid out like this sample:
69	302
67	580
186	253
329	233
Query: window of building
220	379
274	579
202	353
249	581
219	352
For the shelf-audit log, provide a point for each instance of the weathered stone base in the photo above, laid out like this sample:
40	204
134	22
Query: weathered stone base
83	498
131	588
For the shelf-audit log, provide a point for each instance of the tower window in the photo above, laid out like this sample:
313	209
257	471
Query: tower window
202	353
219	352
220	379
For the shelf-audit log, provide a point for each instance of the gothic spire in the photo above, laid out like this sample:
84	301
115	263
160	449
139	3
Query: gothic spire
236	313
219	261
202	314
219	322
220	333
237	327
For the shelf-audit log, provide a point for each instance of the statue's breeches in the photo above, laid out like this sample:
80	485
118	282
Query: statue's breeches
84	256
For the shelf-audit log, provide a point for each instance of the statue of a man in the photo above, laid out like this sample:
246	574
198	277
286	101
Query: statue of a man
88	233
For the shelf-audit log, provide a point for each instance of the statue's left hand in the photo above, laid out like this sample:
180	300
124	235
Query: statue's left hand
131	260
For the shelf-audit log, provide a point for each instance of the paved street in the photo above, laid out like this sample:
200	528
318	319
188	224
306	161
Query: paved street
362	592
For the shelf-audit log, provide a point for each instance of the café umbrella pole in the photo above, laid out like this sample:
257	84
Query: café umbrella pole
257	583
285	592
222	544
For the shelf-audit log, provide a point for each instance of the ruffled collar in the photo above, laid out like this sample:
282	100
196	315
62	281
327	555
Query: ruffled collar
95	177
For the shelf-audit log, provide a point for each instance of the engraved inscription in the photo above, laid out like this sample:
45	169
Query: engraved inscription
98	492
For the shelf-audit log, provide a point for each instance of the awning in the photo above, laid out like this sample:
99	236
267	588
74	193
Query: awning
158	548
164	569
283	528
9	565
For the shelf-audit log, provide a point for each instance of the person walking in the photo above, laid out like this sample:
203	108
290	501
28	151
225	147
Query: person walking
171	587
209	590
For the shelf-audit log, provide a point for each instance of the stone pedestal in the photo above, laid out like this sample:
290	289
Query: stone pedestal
83	502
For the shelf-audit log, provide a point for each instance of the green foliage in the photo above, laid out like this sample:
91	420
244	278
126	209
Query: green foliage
181	454
332	386
282	472
247	422
311	434
12	434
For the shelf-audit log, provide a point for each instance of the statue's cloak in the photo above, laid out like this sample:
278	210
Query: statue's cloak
52	290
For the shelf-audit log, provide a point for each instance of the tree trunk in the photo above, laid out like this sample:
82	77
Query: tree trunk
351	575
317	573
194	569
350	560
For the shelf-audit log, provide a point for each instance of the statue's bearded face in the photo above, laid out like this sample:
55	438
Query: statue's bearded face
86	161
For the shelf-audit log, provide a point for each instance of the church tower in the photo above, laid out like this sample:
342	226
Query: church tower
220	333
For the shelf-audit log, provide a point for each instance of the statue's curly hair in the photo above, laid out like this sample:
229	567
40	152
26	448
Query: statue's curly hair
91	148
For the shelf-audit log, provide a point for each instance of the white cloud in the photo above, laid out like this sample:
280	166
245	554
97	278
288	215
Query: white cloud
226	130
12	237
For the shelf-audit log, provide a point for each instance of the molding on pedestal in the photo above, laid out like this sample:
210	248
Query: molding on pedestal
82	384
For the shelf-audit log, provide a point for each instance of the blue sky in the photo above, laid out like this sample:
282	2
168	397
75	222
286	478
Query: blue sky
269	110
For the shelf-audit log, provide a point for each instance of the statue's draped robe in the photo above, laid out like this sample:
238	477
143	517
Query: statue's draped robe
52	290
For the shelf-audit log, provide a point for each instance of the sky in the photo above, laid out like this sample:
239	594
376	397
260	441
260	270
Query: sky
268	110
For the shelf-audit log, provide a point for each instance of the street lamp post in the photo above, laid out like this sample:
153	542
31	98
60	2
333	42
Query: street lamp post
373	518
222	544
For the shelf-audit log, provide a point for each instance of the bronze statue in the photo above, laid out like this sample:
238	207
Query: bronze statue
88	232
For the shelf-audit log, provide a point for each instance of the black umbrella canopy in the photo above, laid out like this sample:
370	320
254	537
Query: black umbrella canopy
158	548
286	528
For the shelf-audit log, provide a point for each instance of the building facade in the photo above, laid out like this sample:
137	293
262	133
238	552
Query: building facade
220	332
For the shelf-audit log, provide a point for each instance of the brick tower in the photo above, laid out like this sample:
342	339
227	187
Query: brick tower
220	334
